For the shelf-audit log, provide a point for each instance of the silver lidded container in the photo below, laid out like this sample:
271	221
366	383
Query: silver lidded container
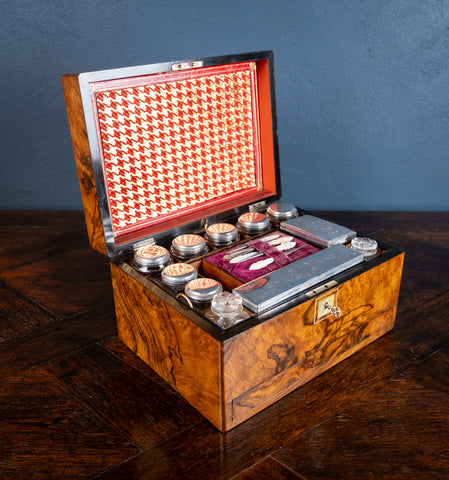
188	246
177	275
281	211
151	258
253	222
222	233
202	290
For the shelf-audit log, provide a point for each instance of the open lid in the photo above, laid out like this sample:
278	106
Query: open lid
174	143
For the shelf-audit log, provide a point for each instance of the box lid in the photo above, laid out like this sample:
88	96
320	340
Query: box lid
175	143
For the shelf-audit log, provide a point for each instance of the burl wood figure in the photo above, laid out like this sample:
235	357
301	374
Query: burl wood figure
227	374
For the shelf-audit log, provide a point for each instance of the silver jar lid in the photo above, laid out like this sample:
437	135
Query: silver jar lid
222	233
253	222
367	246
189	245
178	274
281	211
202	290
151	256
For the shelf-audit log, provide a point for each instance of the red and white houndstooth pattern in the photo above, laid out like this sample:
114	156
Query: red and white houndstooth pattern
173	145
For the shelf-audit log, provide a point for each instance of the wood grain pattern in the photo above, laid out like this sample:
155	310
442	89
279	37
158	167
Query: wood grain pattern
45	342
268	469
180	352
382	410
83	161
62	284
399	447
248	373
45	434
140	408
292	341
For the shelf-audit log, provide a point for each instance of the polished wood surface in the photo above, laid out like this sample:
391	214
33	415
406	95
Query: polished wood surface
76	403
83	161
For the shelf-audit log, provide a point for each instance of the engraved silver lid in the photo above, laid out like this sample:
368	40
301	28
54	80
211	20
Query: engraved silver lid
152	256
222	233
188	245
281	211
253	222
202	290
178	274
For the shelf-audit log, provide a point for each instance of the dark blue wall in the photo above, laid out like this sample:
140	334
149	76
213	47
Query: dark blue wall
362	89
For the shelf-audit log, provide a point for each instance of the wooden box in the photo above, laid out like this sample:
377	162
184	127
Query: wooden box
168	149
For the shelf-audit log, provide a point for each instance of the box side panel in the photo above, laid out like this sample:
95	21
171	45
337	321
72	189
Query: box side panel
180	352
265	363
83	161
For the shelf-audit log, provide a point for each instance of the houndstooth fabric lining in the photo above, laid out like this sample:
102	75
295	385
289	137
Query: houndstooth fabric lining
171	146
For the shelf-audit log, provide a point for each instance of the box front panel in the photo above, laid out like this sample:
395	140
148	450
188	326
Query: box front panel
271	359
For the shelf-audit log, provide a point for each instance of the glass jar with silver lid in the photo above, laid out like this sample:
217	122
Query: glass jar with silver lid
151	258
227	310
367	246
202	290
253	222
177	275
222	233
281	211
188	246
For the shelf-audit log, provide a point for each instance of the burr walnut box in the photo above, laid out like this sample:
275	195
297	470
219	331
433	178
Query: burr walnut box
232	295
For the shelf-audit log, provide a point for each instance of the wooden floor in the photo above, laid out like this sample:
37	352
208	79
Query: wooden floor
75	403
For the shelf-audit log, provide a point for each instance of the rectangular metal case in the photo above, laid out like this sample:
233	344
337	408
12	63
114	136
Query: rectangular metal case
167	149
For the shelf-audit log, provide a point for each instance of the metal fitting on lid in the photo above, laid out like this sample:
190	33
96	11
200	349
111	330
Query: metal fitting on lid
281	211
188	245
253	222
177	275
151	257
202	290
222	233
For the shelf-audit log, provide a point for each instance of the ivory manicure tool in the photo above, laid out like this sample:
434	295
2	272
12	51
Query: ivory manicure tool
247	256
271	240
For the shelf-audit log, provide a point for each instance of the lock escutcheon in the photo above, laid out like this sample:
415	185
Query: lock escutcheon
326	306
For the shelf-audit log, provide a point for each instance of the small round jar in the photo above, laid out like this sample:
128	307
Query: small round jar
365	245
281	211
188	246
177	275
226	309
202	290
222	233
253	222
151	258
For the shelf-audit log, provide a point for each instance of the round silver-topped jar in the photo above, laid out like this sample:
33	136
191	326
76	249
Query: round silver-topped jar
253	222
188	245
281	211
367	246
177	275
222	233
151	257
202	290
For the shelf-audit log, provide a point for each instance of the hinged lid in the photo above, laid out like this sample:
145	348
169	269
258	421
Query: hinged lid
174	143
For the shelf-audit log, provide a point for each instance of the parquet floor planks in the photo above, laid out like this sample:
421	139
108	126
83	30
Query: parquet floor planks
76	403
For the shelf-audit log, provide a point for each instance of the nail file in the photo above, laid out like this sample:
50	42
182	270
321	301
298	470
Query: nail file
247	256
247	249
238	250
